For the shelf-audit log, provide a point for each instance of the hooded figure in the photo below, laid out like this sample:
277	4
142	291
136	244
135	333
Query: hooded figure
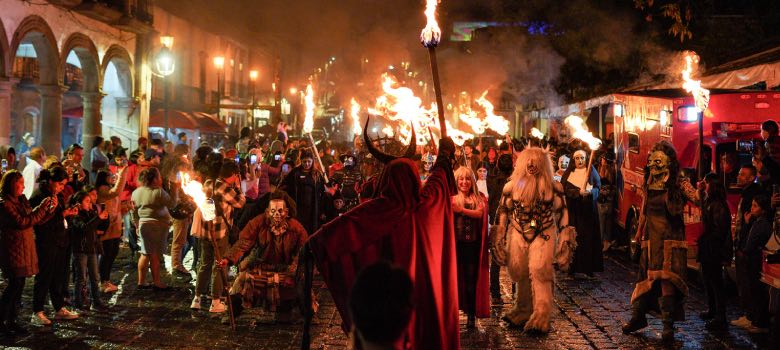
411	226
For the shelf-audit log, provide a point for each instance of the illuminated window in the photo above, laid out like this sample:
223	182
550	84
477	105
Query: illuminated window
633	143
687	113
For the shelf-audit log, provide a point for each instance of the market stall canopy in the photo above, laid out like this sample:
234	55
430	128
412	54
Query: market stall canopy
176	120
208	123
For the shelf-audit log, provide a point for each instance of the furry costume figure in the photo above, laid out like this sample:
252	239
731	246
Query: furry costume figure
530	214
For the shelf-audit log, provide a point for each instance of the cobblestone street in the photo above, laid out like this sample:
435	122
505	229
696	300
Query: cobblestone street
588	314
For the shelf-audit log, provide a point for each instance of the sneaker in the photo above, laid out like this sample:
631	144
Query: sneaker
195	303
108	287
217	306
65	314
741	322
40	319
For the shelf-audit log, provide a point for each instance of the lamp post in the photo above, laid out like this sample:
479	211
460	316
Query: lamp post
165	67
219	64
253	74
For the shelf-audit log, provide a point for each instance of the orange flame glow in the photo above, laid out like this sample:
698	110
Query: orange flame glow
459	137
431	34
355	114
495	122
194	189
580	131
400	104
536	133
700	94
308	121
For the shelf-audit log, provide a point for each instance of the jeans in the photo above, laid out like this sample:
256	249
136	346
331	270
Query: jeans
110	251
12	298
712	278
180	229
87	269
192	244
50	278
130	232
606	222
208	273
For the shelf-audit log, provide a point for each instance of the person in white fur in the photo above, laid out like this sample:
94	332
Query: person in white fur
531	235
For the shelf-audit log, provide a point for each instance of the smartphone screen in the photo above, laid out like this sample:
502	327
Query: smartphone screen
277	157
285	168
253	159
237	159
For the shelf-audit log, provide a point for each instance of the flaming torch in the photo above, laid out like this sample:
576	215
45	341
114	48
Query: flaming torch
537	134
430	37
355	113
308	126
580	131
496	122
701	96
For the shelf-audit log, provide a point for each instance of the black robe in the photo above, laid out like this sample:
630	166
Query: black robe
584	217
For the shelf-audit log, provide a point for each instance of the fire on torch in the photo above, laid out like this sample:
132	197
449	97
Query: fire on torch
430	37
701	97
580	131
308	126
355	114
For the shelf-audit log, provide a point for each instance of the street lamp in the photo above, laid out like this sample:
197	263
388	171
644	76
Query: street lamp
219	64
253	74
166	64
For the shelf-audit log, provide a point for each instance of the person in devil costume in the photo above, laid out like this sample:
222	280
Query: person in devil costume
350	180
411	226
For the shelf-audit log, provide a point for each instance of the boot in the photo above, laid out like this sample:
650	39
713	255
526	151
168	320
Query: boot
638	319
471	322
667	317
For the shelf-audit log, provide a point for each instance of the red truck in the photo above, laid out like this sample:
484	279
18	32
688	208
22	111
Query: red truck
731	124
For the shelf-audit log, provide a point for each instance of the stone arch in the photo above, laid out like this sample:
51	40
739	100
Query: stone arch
42	38
123	64
87	53
5	65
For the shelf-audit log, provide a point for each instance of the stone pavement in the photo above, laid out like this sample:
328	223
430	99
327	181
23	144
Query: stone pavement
588	314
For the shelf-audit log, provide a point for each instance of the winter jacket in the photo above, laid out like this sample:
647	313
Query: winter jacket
18	256
52	232
110	196
715	243
83	231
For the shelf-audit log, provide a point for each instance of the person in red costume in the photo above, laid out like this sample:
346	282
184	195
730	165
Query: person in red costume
409	225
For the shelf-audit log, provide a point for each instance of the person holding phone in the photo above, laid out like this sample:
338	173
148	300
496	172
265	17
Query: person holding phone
265	172
109	189
84	228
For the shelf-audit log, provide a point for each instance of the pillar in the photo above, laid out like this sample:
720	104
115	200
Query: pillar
5	112
90	124
51	118
127	121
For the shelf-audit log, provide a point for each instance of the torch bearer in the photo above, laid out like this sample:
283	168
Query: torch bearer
577	126
430	37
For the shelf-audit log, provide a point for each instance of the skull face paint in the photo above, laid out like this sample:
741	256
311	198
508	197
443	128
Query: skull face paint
658	164
428	160
579	159
277	212
563	162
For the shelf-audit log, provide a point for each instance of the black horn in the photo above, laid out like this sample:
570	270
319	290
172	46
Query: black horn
379	155
412	148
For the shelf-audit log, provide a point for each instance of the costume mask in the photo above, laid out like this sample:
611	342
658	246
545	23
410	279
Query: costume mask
349	162
658	163
277	214
428	160
579	159
563	162
532	167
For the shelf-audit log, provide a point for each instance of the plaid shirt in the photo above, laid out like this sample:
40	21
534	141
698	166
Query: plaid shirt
229	197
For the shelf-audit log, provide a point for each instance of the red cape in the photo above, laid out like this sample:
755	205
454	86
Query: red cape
411	227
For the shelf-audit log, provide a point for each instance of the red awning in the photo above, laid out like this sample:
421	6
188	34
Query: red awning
75	112
176	120
209	123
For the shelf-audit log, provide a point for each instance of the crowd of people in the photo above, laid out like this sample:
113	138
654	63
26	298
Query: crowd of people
64	221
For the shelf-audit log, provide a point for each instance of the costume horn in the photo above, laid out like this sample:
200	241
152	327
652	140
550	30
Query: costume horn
382	156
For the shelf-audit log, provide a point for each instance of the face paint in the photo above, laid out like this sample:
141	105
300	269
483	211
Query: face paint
532	167
579	159
428	160
563	162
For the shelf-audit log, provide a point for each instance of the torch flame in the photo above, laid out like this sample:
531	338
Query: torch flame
400	104
580	131
700	94
388	131
194	189
308	122
459	137
431	34
536	133
495	122
355	113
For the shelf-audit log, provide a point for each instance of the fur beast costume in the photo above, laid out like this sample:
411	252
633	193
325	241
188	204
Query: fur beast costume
532	233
